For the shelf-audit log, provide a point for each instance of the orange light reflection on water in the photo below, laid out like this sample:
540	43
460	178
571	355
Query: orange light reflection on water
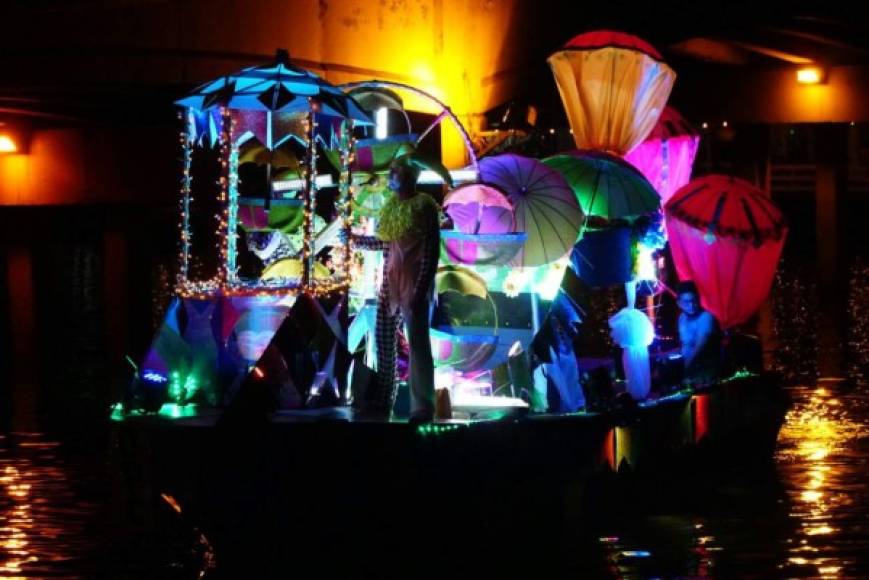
13	537
815	436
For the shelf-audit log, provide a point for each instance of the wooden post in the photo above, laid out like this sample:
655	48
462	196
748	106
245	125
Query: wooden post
115	301
22	314
826	229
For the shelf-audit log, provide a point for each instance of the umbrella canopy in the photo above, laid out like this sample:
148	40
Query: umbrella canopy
613	86
727	236
463	300
667	155
606	186
373	98
276	87
544	206
462	280
477	208
255	152
371	196
374	155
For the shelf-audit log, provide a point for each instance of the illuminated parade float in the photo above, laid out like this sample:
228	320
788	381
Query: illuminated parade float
275	307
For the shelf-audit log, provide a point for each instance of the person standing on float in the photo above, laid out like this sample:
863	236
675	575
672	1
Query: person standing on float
409	236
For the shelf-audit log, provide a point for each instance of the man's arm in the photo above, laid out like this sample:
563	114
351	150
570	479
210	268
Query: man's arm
369	243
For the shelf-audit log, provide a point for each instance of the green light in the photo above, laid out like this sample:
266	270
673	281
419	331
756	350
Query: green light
182	391
174	411
167	411
436	429
118	412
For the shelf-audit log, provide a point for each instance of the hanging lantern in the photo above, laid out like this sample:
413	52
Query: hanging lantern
667	155
613	86
726	235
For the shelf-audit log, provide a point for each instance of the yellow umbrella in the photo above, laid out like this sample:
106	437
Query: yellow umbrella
461	280
255	152
292	268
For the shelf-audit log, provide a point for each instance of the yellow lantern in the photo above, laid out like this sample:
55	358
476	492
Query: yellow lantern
614	87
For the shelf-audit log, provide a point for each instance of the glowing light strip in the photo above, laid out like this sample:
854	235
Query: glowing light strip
427	176
298	184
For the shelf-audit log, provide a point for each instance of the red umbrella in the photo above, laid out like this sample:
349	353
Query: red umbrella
726	235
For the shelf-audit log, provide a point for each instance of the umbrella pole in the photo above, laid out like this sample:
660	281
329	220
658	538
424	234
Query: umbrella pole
535	312
269	144
650	308
631	293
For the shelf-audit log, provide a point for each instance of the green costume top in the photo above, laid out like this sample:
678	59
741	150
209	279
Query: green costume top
411	228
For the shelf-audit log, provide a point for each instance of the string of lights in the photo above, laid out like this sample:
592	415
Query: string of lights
186	141
347	145
310	199
224	275
226	282
232	219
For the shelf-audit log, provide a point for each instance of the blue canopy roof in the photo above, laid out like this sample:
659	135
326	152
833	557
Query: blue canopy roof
276	87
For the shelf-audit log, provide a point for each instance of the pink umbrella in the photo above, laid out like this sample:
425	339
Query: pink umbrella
667	155
478	208
484	218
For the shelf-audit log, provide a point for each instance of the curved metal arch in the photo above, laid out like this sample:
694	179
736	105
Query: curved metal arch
445	112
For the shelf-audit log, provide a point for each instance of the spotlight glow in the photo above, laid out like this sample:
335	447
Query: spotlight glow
7	144
810	75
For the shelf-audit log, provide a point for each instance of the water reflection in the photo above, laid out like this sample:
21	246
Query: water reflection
821	461
43	524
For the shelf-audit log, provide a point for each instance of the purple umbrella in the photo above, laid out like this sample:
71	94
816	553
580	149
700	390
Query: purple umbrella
544	206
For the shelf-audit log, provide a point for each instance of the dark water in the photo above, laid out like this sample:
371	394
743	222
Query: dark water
806	514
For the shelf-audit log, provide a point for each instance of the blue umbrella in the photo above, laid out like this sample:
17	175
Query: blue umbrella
277	87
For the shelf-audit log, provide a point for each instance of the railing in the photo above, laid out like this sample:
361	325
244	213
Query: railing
793	178
802	178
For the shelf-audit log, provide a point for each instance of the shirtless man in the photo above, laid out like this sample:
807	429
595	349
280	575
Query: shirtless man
700	336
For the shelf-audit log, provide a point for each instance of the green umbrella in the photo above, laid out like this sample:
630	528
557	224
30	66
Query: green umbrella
606	186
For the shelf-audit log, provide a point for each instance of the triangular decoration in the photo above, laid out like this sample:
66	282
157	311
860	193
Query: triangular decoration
276	97
201	123
334	102
221	96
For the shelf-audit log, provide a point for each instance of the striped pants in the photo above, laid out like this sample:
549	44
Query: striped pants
380	397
